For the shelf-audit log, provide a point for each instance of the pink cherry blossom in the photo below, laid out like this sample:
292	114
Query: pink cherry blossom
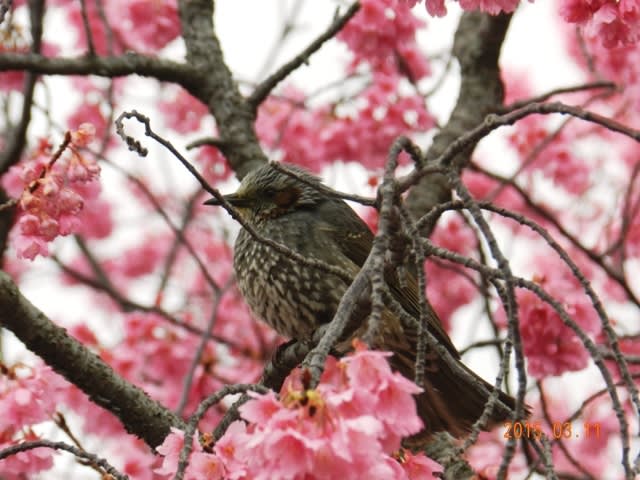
30	462
486	455
136	462
213	166
612	23
376	407
52	193
145	25
383	35
102	41
551	347
181	111
28	396
170	451
493	7
88	112
418	466
140	259
437	8
557	160
315	138
353	421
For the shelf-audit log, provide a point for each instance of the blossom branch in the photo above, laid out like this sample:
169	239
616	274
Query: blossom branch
207	403
90	458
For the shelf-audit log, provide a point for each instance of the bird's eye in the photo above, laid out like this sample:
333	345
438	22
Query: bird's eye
270	192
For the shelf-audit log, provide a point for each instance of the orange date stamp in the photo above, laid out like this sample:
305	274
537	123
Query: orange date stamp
558	430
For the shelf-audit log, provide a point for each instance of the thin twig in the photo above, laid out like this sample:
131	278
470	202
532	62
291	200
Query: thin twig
558	91
89	457
207	403
262	91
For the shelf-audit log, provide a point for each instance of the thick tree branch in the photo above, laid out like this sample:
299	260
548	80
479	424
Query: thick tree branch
107	66
139	414
218	90
477	47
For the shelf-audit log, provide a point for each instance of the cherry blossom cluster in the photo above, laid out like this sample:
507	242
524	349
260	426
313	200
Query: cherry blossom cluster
145	25
353	421
558	162
551	347
157	357
613	23
619	64
28	397
52	189
437	8
181	111
318	137
382	34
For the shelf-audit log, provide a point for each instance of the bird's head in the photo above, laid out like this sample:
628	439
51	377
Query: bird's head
267	192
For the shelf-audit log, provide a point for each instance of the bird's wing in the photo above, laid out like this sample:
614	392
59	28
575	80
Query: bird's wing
355	240
347	230
407	295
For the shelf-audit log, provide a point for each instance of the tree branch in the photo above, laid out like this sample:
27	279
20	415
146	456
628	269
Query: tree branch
16	137
139	414
218	90
262	91
477	47
107	66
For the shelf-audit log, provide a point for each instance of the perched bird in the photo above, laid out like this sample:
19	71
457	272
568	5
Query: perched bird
297	211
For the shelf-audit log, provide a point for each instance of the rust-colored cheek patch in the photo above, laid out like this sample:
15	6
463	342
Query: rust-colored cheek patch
286	198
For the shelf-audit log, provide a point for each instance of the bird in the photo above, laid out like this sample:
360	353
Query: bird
288	205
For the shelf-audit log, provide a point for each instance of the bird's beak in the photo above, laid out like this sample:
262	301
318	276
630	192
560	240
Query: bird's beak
233	198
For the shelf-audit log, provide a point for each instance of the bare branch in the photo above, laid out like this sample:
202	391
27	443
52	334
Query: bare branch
106	66
77	452
262	91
